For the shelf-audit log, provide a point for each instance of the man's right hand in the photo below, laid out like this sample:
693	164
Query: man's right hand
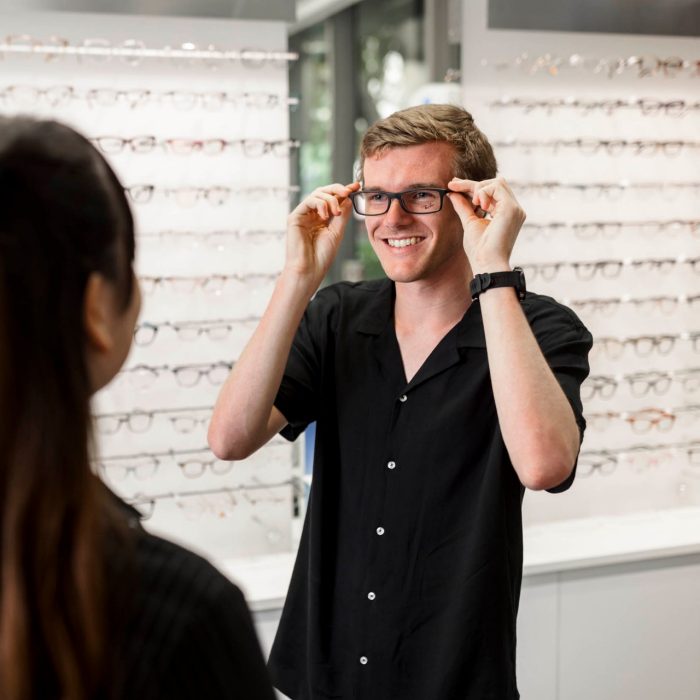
245	417
315	230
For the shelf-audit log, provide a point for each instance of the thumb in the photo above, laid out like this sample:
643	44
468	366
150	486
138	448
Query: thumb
463	207
345	213
337	224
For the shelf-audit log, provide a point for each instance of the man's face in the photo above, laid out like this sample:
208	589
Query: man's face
413	247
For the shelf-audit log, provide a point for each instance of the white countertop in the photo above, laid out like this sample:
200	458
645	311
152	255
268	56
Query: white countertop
549	547
599	541
264	580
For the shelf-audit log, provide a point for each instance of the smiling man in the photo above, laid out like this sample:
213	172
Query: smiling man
440	393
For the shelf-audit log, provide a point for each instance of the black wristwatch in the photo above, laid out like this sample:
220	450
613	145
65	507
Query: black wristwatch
489	280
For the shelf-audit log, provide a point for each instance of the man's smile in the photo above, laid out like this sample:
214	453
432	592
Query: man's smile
403	242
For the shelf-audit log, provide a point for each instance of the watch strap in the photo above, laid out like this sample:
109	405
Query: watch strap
490	280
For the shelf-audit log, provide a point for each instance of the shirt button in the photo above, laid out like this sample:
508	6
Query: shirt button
380	530
403	398
363	660
391	465
371	595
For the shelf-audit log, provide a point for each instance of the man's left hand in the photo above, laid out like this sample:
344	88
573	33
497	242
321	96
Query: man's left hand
488	242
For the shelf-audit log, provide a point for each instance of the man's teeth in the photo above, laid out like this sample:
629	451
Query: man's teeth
402	242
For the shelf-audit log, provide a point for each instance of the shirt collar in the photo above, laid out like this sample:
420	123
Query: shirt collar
379	311
470	330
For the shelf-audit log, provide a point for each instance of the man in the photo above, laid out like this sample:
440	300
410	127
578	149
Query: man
433	412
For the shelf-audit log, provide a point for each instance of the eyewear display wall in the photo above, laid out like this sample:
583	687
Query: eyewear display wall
195	120
598	140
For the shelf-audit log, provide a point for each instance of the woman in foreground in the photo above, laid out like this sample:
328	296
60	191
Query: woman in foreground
91	606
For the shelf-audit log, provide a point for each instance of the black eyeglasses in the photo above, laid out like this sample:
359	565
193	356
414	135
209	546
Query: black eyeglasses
423	201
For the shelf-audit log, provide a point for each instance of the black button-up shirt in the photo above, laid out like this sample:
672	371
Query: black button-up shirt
407	579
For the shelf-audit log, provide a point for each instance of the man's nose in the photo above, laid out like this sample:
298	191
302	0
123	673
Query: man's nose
396	215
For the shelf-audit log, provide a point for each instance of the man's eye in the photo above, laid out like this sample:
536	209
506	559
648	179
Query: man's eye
377	197
422	194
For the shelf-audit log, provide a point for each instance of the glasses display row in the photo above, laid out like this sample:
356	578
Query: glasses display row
144	376
181	420
217	240
645	345
132	51
209	284
144	467
608	269
609	306
646	419
638	457
645	106
222	503
250	148
62	95
145	333
215	195
587	230
191	463
554	65
641	383
614	147
611	191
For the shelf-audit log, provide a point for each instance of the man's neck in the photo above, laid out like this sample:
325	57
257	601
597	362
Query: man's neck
433	304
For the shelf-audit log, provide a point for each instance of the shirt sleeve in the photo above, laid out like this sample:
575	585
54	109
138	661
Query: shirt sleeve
218	655
565	342
298	397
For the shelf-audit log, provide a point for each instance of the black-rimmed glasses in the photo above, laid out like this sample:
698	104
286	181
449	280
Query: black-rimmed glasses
427	200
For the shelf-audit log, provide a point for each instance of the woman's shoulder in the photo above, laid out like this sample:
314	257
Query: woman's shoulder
188	626
158	568
177	572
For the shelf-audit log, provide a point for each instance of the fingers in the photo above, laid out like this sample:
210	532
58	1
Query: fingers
326	204
462	200
463	206
480	201
327	201
487	194
338	190
462	185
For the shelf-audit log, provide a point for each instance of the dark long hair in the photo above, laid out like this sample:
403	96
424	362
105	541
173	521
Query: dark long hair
63	215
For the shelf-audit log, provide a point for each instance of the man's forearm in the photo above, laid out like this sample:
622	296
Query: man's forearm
536	419
241	420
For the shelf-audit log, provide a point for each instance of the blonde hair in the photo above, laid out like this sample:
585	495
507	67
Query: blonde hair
474	158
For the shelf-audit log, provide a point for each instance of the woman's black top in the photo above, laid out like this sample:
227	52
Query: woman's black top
182	630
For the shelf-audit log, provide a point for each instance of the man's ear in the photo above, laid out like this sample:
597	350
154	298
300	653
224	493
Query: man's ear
97	313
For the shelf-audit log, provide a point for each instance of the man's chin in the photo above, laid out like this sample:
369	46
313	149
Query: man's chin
402	276
403	272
